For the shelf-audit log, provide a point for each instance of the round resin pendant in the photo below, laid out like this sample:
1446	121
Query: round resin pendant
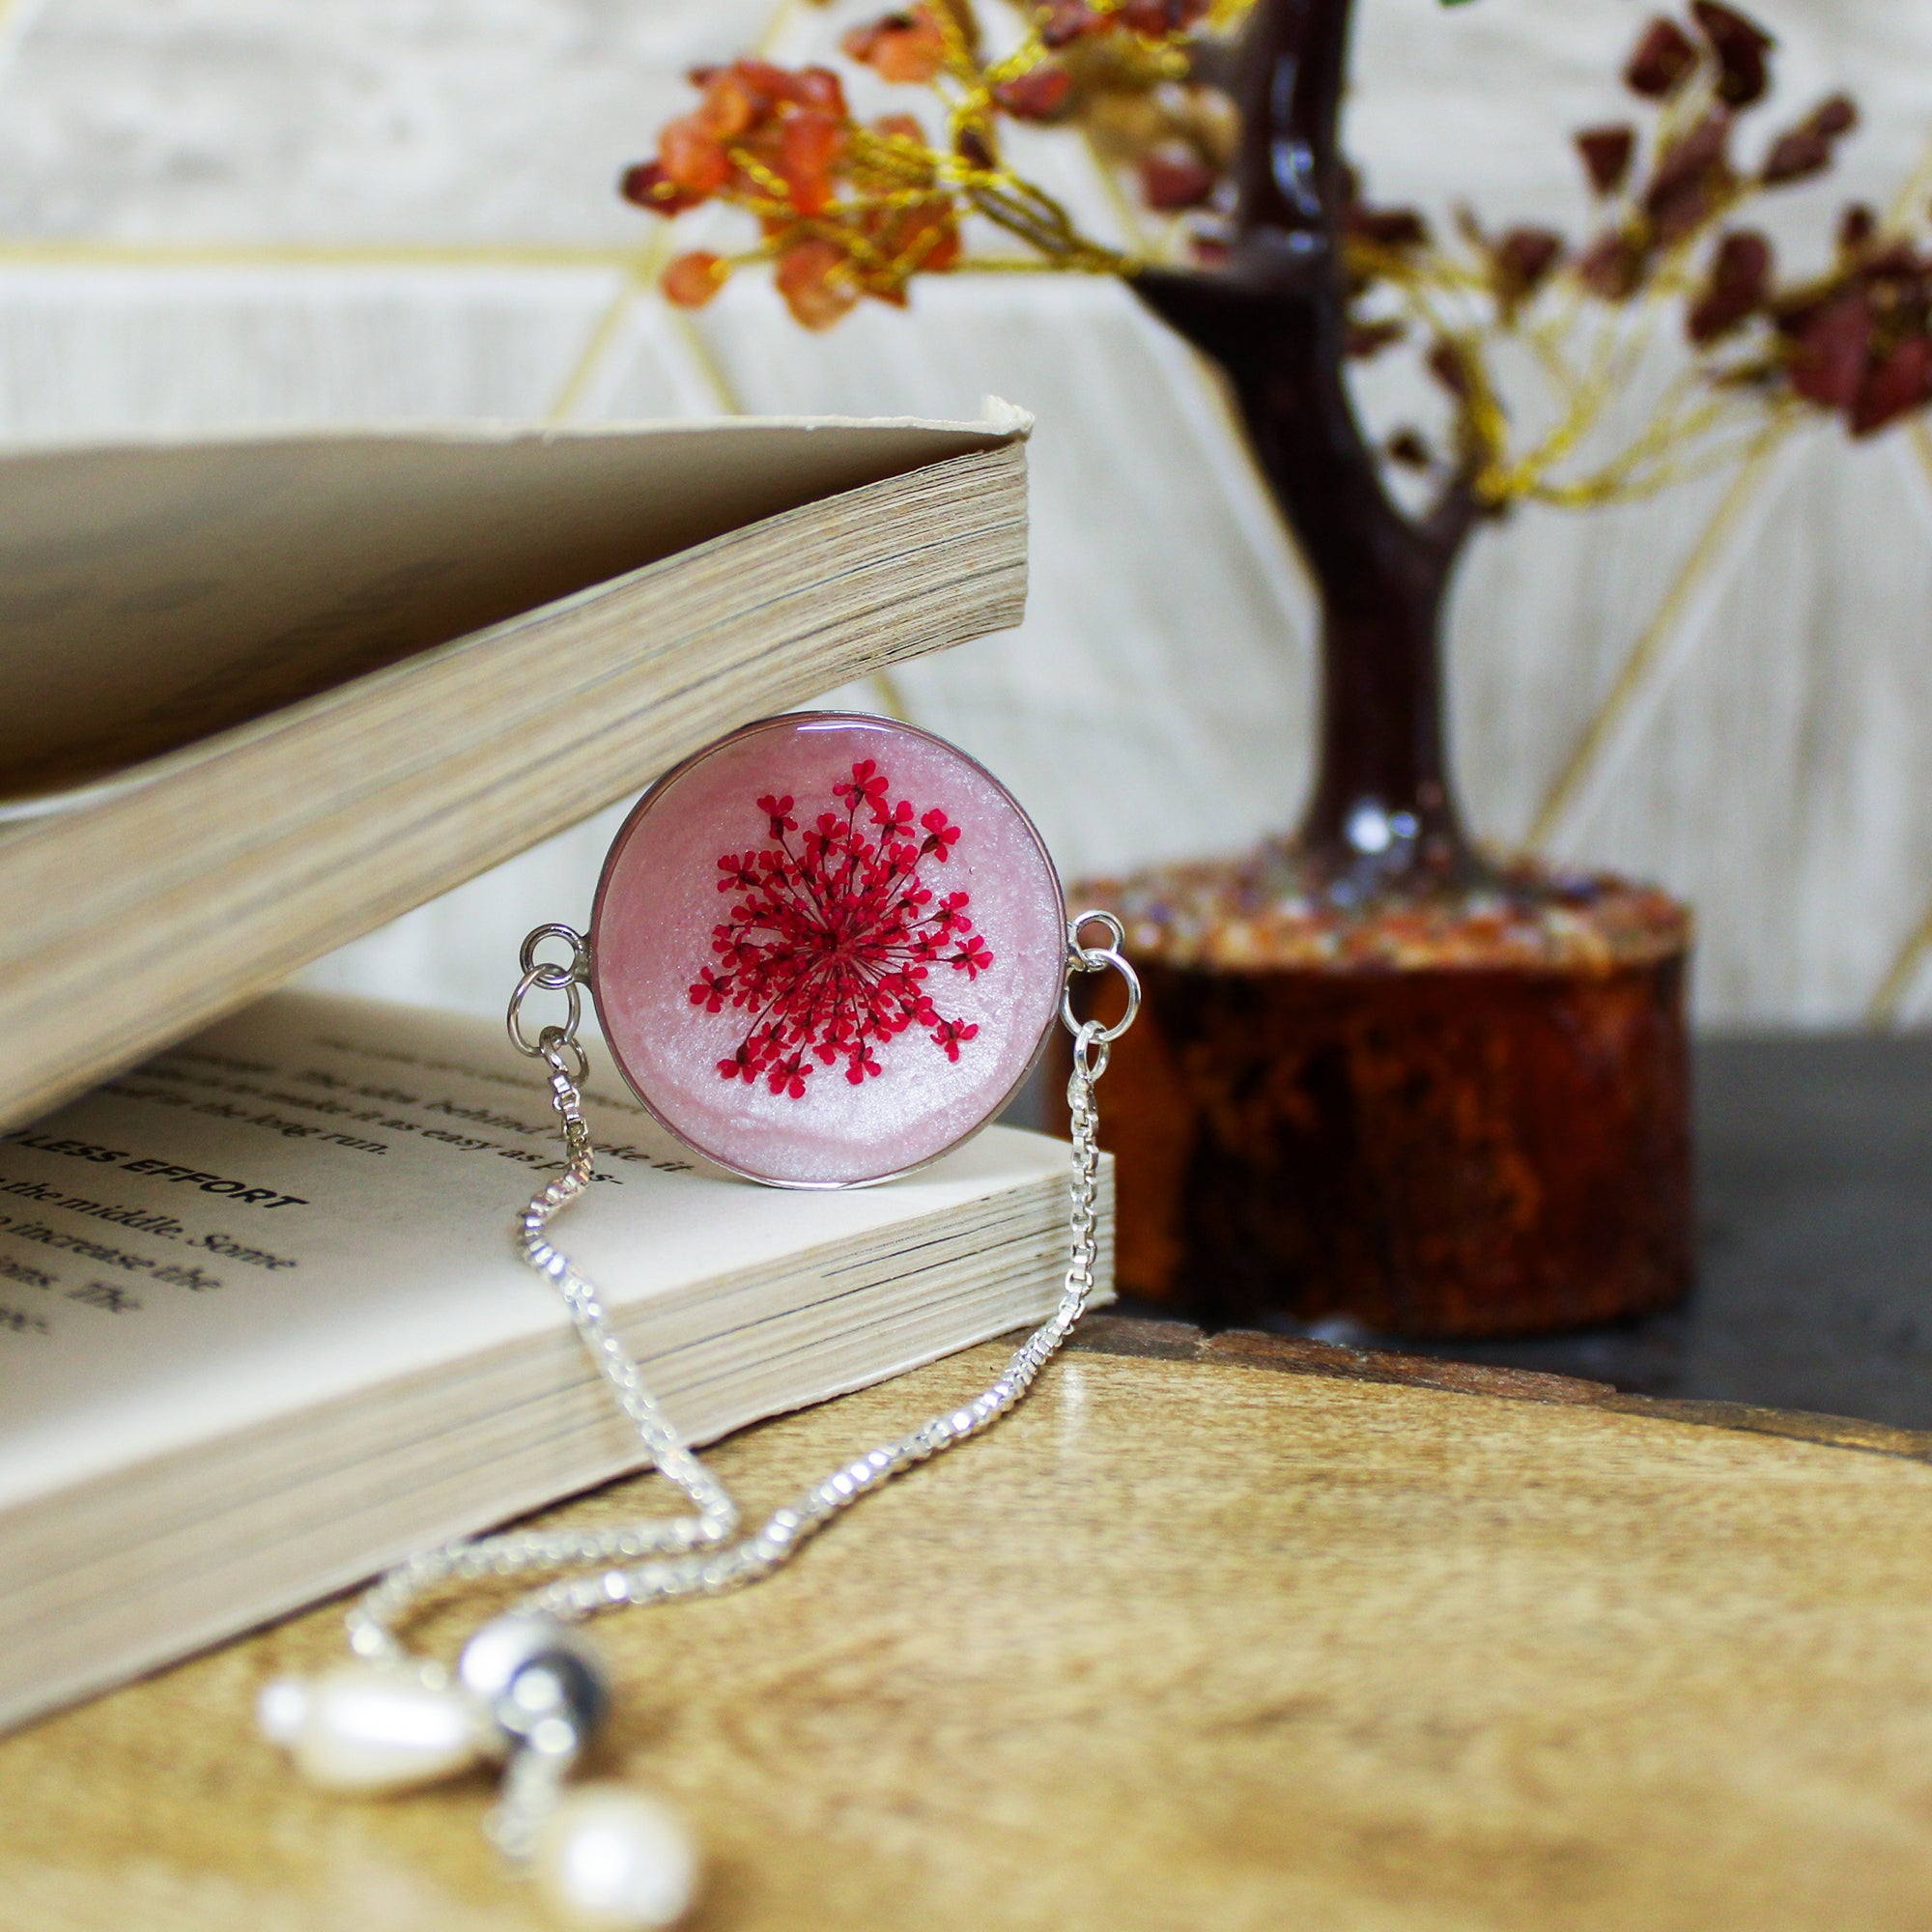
827	948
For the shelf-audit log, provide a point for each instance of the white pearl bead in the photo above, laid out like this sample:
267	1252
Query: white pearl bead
611	1861
282	1709
363	1728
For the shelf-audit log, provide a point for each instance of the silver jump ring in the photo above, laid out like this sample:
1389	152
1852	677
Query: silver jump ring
1090	1047
555	978
1097	959
554	1042
1117	937
532	978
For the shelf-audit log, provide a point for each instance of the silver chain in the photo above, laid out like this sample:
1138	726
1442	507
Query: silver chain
689	1555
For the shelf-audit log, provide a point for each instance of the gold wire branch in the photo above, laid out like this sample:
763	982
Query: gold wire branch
897	201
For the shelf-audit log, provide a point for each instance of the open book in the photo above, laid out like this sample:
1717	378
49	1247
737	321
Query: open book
264	1331
264	694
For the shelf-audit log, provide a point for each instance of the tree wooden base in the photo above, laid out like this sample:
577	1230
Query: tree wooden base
1495	1145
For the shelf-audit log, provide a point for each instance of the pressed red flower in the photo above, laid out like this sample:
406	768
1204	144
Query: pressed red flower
951	1034
940	835
835	935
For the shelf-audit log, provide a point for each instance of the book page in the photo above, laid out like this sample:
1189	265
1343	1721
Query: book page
154	594
316	1197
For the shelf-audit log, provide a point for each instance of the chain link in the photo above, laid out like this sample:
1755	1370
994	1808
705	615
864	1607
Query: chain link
566	977
686	1555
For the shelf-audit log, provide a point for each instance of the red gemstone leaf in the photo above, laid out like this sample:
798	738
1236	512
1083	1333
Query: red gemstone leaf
1038	94
1410	448
1828	366
1175	176
1902	381
1158	19
1369	338
1856	228
1445	364
1692	179
1397	228
1740	277
650	187
811	278
1614	266
1606	155
1519	263
1807	149
1664	59
1741	46
691	280
905	47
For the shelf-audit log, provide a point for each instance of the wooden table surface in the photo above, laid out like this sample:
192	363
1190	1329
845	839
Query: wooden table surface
1240	1634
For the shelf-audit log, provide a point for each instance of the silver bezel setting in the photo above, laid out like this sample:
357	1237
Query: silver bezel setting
644	805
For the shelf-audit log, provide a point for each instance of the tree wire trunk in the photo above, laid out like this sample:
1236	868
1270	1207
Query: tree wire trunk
1275	317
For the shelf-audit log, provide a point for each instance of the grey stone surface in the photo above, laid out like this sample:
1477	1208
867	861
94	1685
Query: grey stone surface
1814	1170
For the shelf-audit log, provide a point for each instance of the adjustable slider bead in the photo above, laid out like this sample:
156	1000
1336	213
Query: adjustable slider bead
540	1680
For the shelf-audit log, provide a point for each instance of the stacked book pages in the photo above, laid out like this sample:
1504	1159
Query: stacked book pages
264	694
265	1332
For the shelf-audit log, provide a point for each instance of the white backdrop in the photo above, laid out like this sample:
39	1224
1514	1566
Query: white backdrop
271	211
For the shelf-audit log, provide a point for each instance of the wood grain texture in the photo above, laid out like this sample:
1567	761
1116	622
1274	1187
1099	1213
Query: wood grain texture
1230	1635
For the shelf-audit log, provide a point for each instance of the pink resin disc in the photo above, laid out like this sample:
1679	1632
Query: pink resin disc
827	950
